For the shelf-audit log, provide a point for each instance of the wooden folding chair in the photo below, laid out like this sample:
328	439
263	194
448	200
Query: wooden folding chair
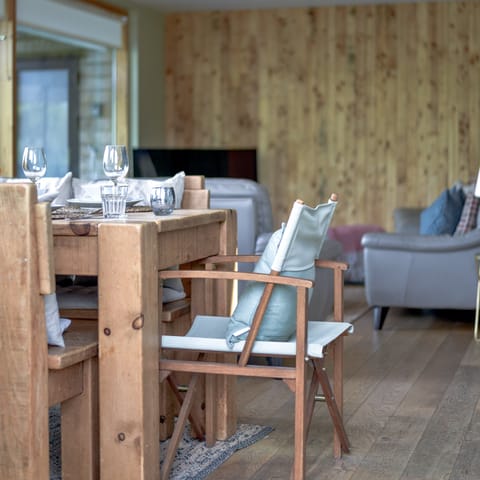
294	255
34	376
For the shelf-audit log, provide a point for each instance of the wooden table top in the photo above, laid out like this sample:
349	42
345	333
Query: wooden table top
178	220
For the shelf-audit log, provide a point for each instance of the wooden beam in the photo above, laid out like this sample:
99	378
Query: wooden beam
107	7
7	91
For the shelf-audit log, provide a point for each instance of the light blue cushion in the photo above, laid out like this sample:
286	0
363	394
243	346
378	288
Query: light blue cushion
442	216
55	325
279	321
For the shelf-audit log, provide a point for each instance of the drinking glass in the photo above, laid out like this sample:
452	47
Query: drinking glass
34	163
162	200
114	200
115	162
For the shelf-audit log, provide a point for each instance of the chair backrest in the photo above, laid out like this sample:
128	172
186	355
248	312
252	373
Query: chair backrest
303	236
298	248
26	272
195	195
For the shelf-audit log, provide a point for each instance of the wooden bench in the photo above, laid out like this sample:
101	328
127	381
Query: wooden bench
34	376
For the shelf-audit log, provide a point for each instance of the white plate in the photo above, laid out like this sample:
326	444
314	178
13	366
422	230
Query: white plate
79	203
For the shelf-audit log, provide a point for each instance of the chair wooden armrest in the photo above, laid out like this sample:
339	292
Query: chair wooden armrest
81	343
229	275
332	264
219	259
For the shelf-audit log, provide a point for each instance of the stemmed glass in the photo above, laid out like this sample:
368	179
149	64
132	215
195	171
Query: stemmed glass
34	163
115	162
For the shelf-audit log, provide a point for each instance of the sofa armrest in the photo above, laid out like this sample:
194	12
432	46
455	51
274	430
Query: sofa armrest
246	220
422	243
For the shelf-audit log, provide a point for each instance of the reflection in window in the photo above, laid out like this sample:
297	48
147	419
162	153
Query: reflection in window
43	116
65	94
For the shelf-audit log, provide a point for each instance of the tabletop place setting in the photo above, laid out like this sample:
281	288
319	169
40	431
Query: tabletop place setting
108	199
115	196
115	167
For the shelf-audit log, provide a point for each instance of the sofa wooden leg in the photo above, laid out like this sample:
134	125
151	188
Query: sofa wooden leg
379	314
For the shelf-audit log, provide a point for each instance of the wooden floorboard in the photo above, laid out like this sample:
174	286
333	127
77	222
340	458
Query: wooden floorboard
412	406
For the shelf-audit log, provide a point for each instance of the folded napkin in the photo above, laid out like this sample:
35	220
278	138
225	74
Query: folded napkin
139	189
55	189
51	189
48	196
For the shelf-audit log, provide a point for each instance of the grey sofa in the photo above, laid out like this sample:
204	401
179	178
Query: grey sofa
406	269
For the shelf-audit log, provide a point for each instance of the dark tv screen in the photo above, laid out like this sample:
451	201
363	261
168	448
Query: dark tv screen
166	162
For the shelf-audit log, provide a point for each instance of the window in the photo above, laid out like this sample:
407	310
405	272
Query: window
64	102
47	102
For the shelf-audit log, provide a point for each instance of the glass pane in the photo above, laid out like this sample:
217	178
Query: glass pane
43	117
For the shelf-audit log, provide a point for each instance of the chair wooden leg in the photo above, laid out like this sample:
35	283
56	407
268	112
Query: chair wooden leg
79	430
337	352
179	426
298	472
332	405
198	427
314	383
166	409
211	412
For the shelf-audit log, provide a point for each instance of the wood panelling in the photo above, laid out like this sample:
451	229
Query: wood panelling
378	103
7	90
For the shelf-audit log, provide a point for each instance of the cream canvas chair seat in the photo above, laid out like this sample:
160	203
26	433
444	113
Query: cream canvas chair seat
208	334
225	344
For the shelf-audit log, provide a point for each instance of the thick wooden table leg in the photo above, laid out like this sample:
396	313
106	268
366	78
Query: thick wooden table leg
128	351
226	420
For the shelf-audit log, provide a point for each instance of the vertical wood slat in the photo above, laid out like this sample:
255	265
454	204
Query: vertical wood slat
7	90
377	102
473	87
121	90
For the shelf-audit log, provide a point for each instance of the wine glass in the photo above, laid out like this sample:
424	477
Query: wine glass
115	162
34	163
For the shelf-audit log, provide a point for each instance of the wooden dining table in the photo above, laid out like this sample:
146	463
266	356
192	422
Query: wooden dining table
126	256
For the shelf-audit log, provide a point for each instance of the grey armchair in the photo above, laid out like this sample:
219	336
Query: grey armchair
406	269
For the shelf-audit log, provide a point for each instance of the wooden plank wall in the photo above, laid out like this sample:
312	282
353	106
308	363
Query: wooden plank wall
7	90
378	103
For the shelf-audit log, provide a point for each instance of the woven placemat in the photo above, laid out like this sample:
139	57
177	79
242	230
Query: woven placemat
139	208
70	213
74	213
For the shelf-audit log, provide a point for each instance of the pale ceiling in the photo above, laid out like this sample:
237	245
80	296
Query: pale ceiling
197	5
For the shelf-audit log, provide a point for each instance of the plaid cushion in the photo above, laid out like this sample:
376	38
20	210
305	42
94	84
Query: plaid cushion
468	218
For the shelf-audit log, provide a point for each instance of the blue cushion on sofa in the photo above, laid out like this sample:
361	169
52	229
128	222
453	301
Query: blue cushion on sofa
442	216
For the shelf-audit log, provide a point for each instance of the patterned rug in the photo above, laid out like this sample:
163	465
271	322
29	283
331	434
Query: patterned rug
194	461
